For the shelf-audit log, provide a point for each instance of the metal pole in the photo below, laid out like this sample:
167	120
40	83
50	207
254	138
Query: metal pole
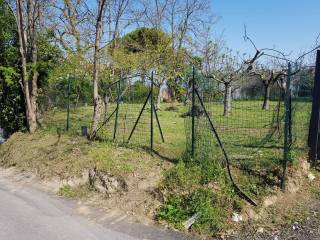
141	111
68	106
215	133
158	122
315	114
117	111
151	120
193	114
107	120
286	148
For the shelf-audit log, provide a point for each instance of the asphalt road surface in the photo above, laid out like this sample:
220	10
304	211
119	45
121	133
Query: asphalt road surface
27	213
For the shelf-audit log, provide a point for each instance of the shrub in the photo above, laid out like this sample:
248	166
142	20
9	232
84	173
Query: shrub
204	202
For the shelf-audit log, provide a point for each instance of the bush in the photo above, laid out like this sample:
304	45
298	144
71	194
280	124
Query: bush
182	178
191	188
204	202
138	93
12	109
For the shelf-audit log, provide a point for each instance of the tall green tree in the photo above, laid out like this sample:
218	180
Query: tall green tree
149	49
12	109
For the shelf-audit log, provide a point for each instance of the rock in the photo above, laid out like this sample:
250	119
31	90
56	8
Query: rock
187	224
106	183
260	230
305	166
156	193
251	214
237	217
2	134
311	177
295	226
270	201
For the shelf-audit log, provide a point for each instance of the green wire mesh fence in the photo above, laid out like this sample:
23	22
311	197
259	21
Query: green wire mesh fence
260	127
257	126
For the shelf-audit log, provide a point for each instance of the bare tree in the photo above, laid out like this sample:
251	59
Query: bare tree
228	70
228	75
72	24
193	13
96	69
268	77
27	17
152	13
116	11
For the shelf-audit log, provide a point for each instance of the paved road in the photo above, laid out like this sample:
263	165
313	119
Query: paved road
27	216
27	213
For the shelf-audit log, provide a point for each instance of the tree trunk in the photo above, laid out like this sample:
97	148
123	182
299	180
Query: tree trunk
34	59
96	71
227	100
30	98
106	103
266	98
158	100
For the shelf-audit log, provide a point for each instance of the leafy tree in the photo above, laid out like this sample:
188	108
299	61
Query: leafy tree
149	49
12	111
72	67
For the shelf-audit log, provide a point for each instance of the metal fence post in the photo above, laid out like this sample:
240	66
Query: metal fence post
151	120
117	110
68	106
287	126
315	114
193	114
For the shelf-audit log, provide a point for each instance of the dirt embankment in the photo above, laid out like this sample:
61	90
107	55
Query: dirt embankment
293	214
63	163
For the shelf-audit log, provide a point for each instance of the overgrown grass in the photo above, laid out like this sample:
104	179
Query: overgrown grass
190	192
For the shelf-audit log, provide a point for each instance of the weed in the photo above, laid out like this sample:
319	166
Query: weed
75	192
205	203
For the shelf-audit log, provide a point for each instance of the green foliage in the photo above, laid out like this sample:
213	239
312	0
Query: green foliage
9	75
144	39
72	67
204	202
138	93
8	36
182	178
147	49
12	111
49	57
189	193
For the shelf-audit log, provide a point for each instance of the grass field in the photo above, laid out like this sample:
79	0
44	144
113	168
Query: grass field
246	133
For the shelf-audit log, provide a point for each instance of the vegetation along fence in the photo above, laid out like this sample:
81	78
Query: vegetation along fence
253	128
242	126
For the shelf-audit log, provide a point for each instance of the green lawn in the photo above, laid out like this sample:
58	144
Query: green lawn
246	133
252	137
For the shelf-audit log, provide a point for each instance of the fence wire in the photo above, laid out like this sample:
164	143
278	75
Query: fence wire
248	117
250	121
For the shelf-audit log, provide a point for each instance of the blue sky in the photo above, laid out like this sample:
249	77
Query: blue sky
288	25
